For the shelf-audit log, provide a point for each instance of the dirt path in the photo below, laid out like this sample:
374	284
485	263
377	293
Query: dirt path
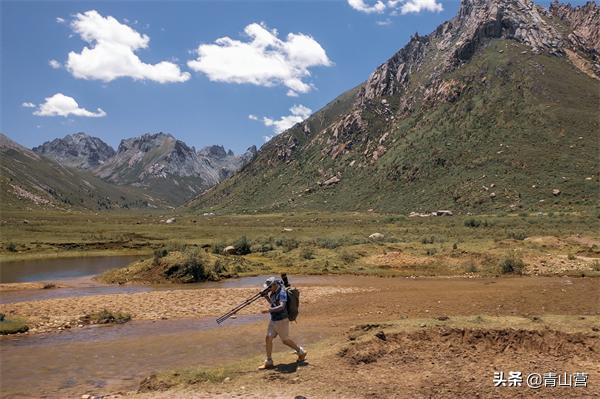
117	362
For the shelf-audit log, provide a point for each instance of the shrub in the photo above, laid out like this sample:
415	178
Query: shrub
307	253
328	243
13	326
596	266
11	247
242	246
431	251
287	244
512	265
218	248
428	240
105	317
262	247
471	268
517	235
348	257
159	253
472	222
571	257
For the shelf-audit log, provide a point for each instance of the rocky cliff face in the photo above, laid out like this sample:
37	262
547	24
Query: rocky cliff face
427	121
77	151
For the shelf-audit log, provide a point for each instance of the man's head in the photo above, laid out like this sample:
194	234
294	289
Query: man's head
272	283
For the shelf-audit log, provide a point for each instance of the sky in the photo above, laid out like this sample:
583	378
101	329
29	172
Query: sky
232	73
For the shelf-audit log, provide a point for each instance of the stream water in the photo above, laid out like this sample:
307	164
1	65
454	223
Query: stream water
96	359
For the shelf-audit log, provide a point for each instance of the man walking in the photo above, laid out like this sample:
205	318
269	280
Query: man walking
279	324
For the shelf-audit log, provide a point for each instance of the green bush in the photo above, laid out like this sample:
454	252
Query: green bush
12	326
218	248
287	244
105	317
472	222
428	240
512	265
11	247
348	257
517	235
242	246
307	253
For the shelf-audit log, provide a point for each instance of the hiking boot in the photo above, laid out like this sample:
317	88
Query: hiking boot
301	354
268	364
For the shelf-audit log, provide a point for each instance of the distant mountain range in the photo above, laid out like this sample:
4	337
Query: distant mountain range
29	180
496	109
152	169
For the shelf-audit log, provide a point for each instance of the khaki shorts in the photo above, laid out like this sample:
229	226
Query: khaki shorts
279	327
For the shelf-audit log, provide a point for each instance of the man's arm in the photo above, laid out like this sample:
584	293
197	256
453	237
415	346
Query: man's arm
278	308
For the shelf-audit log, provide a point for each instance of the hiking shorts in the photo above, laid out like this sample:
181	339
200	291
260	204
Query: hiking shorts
279	327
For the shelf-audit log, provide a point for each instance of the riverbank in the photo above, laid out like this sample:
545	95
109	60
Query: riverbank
66	313
105	360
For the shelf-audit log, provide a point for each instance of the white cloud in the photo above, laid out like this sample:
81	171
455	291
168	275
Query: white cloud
61	105
263	60
54	64
253	117
298	113
60	20
396	7
360	5
111	53
416	6
385	22
28	104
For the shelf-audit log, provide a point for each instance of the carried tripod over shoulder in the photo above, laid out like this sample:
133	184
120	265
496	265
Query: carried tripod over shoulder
292	304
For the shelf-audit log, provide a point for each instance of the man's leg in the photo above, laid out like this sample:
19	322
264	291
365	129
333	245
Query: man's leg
269	347
271	334
282	328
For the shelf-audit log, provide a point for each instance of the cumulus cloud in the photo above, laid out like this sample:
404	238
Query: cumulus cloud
61	105
111	52
396	7
298	113
416	6
263	60
28	104
60	20
360	5
54	64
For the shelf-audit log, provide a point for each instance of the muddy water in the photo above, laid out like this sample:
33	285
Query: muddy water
60	268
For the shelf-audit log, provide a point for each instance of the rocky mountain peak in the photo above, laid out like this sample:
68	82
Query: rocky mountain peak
583	20
215	151
78	150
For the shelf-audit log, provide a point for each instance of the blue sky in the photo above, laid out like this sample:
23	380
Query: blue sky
202	99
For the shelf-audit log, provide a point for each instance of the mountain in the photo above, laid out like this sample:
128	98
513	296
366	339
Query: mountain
497	109
30	180
77	151
167	168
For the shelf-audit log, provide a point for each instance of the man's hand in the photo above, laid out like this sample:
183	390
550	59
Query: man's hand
265	311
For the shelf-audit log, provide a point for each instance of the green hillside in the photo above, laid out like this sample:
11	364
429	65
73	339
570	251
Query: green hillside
507	129
28	180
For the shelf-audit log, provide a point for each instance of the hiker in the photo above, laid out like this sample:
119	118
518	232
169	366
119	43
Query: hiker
279	323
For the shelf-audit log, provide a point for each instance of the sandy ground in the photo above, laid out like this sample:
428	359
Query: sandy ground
64	313
427	363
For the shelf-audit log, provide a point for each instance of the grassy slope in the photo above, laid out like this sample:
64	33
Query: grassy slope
519	128
65	188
